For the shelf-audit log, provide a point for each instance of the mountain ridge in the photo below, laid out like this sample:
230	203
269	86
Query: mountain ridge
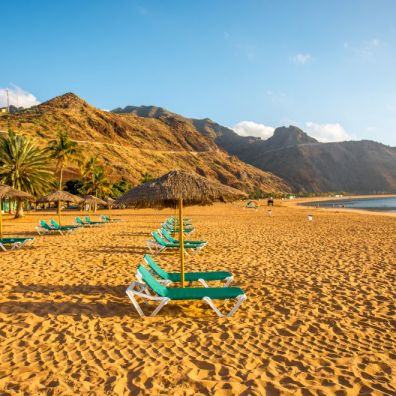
129	145
309	166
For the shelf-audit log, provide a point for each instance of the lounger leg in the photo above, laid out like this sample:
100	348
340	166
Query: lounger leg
2	247
228	281
142	291
240	300
149	246
160	249
135	303
203	282
209	301
162	304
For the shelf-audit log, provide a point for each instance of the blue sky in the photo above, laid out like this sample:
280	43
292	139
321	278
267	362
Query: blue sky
328	66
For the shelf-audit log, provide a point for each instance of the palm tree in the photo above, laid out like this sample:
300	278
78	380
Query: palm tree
24	166
63	150
95	180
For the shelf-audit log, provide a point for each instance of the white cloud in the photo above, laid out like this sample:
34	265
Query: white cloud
366	48
17	97
302	59
251	128
327	132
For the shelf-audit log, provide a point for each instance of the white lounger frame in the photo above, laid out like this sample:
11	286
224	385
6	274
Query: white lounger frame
42	231
16	245
140	289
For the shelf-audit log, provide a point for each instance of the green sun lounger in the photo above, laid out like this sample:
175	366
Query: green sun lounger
202	277
82	223
45	228
174	230
63	228
7	244
107	219
176	222
147	284
169	237
89	221
157	244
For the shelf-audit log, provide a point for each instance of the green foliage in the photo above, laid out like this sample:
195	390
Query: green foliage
95	181
63	150
120	187
23	165
258	194
146	177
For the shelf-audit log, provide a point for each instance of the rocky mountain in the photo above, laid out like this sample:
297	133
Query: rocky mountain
363	167
130	145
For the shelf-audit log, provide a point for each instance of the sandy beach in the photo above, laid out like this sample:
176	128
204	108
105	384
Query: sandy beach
319	317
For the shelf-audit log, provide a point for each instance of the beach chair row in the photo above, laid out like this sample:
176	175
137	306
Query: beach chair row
156	285
54	227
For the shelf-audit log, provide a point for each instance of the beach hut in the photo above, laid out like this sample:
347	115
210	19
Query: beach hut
178	189
59	197
9	192
93	201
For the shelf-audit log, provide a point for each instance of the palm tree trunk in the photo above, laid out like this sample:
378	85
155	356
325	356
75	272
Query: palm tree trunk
19	210
61	178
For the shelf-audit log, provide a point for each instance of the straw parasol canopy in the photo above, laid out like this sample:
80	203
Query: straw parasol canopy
93	201
178	188
110	202
59	197
10	192
167	190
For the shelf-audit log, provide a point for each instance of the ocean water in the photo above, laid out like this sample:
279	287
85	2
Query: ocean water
374	204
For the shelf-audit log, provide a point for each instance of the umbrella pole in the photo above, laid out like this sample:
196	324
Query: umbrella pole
59	212
1	220
181	241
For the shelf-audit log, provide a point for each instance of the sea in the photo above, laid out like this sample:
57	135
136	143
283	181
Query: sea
384	204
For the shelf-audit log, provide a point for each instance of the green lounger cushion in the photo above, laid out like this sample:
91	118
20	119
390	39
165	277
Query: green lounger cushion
43	224
10	241
173	240
188	293
89	221
188	276
160	241
174	230
59	227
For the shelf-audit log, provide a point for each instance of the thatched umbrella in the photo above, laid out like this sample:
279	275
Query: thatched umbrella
9	192
59	197
178	188
110	204
95	201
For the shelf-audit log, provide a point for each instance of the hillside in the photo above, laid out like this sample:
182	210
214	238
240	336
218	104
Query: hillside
363	167
129	145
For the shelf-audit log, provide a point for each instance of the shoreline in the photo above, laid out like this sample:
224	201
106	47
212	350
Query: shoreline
296	203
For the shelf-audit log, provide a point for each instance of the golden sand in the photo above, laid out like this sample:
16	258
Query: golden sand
319	318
